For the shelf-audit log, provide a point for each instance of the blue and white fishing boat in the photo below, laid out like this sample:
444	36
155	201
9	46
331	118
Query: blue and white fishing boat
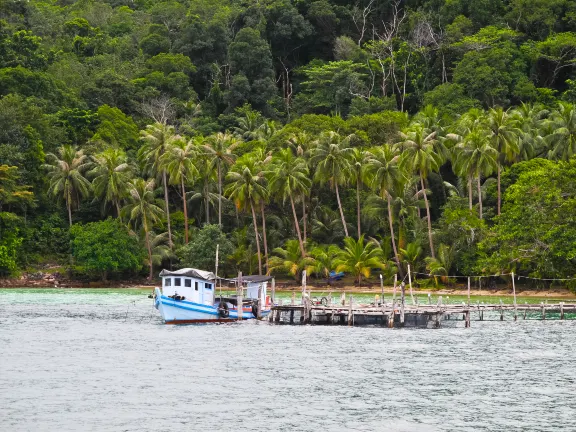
188	296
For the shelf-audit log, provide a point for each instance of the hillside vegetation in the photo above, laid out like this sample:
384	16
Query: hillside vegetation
356	136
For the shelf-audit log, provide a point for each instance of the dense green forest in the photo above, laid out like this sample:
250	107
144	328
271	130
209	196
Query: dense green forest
296	134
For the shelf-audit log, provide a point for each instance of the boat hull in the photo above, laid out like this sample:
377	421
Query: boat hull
185	312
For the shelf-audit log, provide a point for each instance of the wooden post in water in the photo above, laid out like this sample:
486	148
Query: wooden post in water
429	299
394	292
278	315
273	299
293	297
410	282
543	311
304	293
561	310
525	309
381	289
467	318
291	316
468	291
350	313
501	311
259	304
343	299
239	294
514	292
402	302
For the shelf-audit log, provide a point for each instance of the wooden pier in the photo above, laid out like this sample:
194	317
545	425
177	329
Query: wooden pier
397	313
401	315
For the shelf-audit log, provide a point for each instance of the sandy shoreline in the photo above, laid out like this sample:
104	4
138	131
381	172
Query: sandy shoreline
562	293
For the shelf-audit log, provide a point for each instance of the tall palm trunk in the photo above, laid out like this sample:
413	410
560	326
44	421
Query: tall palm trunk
394	248
470	192
165	181
297	227
479	197
207	208
219	195
257	238
117	202
428	216
499	192
358	203
69	206
151	275
185	211
264	236
304	221
340	208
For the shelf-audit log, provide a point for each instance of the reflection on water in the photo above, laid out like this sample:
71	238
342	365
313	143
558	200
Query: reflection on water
101	360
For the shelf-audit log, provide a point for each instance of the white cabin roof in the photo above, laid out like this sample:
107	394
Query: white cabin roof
190	272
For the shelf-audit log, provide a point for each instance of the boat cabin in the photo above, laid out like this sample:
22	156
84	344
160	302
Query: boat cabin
197	286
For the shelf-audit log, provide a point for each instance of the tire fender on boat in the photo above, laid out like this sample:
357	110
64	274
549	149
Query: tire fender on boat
223	310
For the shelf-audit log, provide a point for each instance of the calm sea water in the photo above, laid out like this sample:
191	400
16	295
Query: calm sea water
101	360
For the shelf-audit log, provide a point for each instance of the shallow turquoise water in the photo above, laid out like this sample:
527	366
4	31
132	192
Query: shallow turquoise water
101	360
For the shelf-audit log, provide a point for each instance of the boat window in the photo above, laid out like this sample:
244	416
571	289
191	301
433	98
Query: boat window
196	286
187	283
208	286
167	281
177	282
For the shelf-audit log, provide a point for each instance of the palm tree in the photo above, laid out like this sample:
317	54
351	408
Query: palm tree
358	161
291	260
562	141
288	180
441	266
143	212
325	257
530	119
247	188
359	258
112	175
65	173
178	163
385	176
203	188
475	157
504	136
332	157
157	138
421	153
262	159
220	147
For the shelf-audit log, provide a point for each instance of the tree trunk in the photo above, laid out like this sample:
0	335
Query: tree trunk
341	211
499	192
304	221
118	210
394	248
219	195
358	203
185	211
470	192
164	180
257	238
69	211
428	217
297	227
207	208
479	197
149	256
264	236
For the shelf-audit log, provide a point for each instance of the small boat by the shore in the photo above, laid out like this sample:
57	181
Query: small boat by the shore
188	296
